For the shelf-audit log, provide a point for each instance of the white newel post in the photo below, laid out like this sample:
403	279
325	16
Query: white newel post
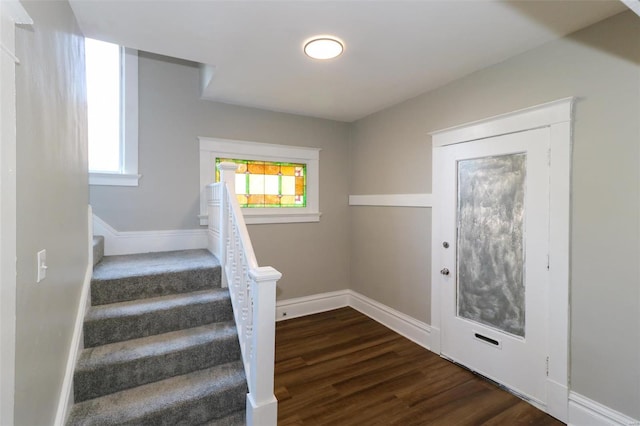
262	405
228	177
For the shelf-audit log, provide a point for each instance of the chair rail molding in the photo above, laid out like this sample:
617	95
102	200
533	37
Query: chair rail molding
391	200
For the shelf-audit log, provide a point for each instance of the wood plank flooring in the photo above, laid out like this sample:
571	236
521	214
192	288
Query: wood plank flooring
342	368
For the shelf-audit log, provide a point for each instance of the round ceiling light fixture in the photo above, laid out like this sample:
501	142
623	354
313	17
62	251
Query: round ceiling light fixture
323	47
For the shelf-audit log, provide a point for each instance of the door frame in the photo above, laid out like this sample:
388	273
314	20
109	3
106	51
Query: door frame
557	116
11	13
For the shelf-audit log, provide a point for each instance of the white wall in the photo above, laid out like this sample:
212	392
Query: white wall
600	65
52	201
313	257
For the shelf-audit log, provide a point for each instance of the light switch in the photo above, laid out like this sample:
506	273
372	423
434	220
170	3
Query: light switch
42	265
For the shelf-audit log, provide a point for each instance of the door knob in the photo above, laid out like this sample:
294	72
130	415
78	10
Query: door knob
444	271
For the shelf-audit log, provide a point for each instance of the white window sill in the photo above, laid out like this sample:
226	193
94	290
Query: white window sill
252	217
114	179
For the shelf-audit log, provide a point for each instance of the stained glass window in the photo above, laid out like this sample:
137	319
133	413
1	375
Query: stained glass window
268	183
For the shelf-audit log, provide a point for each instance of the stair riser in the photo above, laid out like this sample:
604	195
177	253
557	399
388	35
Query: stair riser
120	290
110	330
111	378
98	249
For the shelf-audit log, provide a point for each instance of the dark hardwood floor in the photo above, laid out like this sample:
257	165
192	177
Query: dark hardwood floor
342	368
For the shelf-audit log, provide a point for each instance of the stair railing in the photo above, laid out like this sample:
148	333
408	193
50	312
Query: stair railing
253	294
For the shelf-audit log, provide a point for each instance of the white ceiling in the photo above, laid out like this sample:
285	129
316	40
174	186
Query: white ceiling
395	50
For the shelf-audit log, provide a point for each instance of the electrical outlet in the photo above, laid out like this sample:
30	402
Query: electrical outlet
42	265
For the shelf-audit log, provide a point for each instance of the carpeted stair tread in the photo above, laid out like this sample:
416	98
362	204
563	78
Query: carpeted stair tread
189	399
122	365
129	277
235	419
145	317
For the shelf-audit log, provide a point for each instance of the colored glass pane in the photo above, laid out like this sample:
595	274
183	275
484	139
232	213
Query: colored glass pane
288	170
242	168
255	200
241	183
272	200
287	200
268	183
288	185
271	185
256	167
271	168
256	184
300	186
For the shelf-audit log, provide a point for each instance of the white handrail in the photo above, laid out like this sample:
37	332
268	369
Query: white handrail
253	295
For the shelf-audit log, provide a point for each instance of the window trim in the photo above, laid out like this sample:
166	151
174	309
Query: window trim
210	148
128	175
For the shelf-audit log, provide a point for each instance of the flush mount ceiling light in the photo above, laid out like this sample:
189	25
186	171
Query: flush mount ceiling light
323	47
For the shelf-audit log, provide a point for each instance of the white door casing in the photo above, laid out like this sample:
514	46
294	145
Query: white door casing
11	13
555	117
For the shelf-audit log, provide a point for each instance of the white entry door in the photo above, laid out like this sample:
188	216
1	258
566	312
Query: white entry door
494	272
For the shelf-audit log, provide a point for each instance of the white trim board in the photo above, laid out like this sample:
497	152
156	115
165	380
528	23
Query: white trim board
414	330
543	115
309	305
584	411
77	344
66	394
391	200
130	242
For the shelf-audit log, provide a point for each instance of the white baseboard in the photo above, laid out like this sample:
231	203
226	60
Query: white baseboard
66	393
584	411
409	327
309	305
116	242
412	329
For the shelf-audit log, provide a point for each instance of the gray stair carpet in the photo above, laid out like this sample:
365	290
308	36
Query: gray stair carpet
161	347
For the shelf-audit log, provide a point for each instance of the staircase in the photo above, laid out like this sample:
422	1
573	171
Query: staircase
161	346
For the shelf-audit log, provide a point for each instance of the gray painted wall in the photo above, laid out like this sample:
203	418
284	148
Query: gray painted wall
52	201
600	65
313	257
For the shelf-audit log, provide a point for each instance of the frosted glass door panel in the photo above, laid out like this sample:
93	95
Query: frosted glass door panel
490	249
